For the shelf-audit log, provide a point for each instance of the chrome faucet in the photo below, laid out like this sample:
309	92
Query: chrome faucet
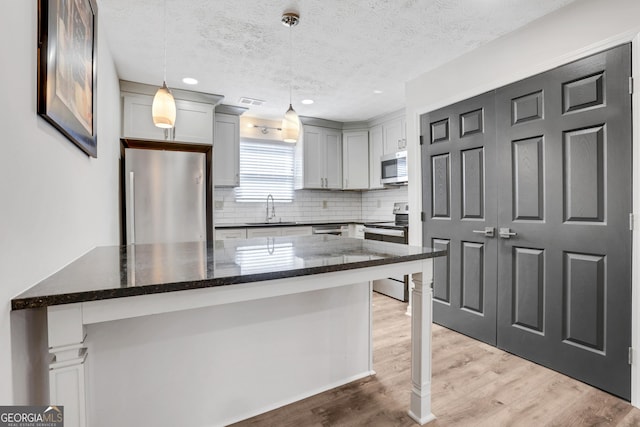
273	209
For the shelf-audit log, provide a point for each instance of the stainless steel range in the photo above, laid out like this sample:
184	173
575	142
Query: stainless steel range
396	232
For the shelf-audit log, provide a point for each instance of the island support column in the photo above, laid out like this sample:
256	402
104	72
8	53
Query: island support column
66	335
421	317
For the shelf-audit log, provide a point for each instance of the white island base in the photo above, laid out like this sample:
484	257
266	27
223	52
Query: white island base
213	356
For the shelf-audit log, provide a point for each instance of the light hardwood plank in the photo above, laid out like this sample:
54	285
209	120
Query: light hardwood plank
474	385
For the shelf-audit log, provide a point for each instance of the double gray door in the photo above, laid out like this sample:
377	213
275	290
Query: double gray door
529	187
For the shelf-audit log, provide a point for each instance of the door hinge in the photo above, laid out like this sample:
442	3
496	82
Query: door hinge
630	85
630	356
421	139
422	217
631	221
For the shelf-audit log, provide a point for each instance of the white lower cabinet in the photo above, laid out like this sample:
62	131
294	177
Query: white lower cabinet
296	231
356	231
263	232
231	233
274	231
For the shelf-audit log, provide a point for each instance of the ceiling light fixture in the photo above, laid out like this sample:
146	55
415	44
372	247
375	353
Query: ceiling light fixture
307	101
163	108
264	129
290	122
189	81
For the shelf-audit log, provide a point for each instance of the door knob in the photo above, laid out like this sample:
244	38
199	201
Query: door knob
488	231
506	233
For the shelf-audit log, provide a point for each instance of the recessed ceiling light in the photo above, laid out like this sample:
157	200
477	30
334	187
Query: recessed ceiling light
189	81
377	92
307	101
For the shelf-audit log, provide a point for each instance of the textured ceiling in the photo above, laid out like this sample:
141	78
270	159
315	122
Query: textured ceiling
343	49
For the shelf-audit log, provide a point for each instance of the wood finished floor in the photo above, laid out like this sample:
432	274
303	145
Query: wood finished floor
473	385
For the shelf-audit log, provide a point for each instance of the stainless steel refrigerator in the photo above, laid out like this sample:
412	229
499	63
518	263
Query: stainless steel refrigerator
165	196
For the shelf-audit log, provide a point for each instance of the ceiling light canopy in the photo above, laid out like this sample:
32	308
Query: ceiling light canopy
290	122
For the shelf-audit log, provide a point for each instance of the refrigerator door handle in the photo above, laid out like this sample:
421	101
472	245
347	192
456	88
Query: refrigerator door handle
132	209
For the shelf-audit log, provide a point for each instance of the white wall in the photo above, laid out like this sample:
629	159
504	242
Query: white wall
55	202
578	29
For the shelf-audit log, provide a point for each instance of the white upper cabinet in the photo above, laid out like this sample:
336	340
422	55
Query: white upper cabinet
194	120
386	137
333	159
376	149
319	158
226	150
137	122
355	156
394	135
194	114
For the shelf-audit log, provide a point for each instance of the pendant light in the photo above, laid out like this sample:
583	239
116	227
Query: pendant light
163	108
290	122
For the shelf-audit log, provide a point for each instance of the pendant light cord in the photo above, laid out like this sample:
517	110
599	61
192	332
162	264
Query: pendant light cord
164	42
290	61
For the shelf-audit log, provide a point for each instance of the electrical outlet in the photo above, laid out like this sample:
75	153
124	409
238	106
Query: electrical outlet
219	205
324	204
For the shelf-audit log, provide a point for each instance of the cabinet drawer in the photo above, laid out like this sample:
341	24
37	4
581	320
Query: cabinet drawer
231	233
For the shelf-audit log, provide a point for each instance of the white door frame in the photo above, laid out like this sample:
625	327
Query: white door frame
415	171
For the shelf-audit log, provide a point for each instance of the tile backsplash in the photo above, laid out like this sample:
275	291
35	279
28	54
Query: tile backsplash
311	205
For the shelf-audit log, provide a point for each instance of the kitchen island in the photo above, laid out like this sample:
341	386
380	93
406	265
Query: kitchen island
197	334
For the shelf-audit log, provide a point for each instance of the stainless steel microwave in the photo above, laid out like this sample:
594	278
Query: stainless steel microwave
394	168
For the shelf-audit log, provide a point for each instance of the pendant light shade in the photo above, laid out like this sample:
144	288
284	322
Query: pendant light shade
290	126
164	108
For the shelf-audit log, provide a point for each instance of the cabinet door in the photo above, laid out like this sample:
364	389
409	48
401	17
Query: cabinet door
313	162
137	121
333	158
264	232
375	152
355	148
226	151
393	131
231	234
295	231
194	122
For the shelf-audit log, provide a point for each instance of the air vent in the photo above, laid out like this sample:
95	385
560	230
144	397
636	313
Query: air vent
251	101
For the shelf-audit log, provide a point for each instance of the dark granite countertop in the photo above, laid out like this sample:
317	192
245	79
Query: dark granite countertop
123	271
296	223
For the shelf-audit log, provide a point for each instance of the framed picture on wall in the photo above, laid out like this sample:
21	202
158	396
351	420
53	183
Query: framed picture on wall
67	69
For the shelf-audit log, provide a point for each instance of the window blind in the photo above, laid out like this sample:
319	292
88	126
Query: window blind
265	168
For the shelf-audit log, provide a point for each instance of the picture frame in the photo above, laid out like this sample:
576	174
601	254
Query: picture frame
67	70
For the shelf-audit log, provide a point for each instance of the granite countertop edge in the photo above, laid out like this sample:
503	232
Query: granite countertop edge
104	294
296	223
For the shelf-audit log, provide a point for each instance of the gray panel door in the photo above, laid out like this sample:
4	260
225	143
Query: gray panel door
564	188
459	202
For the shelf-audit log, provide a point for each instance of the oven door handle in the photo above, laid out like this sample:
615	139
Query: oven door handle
384	231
